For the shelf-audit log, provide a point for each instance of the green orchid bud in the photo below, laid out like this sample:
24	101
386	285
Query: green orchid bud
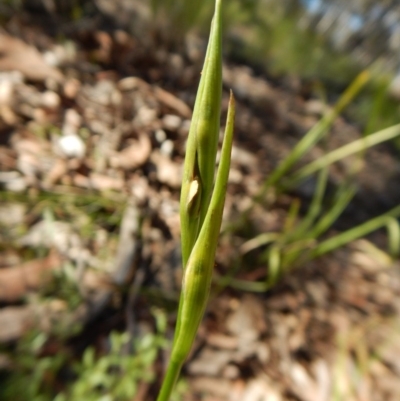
202	203
198	273
202	144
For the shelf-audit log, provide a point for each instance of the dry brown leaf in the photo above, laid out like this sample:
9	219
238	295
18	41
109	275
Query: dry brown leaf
123	264
222	341
57	171
133	83
134	155
260	389
14	321
16	281
210	385
105	183
12	214
17	55
163	96
247	322
210	362
7	159
168	172
174	103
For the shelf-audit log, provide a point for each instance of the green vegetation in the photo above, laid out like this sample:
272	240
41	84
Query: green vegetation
34	375
114	376
301	239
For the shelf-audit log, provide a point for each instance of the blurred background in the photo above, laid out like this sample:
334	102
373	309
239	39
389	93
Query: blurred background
319	41
95	107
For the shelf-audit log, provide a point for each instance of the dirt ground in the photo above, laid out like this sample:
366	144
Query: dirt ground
92	136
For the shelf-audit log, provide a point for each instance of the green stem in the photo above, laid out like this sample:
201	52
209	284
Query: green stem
170	379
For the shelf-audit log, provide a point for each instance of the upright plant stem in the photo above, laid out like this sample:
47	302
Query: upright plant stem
201	203
198	273
170	379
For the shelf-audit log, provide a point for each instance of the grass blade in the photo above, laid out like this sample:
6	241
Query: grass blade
316	133
354	233
344	151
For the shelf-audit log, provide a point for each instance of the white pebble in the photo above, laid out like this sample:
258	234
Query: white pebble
171	122
161	136
6	92
72	146
167	147
50	100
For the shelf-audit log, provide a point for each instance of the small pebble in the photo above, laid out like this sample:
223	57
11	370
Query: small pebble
6	92
171	122
160	135
167	147
50	100
72	146
71	88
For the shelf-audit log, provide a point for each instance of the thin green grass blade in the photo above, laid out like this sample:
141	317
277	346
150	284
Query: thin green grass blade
295	254
258	241
291	218
314	210
354	233
250	286
274	266
343	199
316	133
344	151
380	256
393	231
